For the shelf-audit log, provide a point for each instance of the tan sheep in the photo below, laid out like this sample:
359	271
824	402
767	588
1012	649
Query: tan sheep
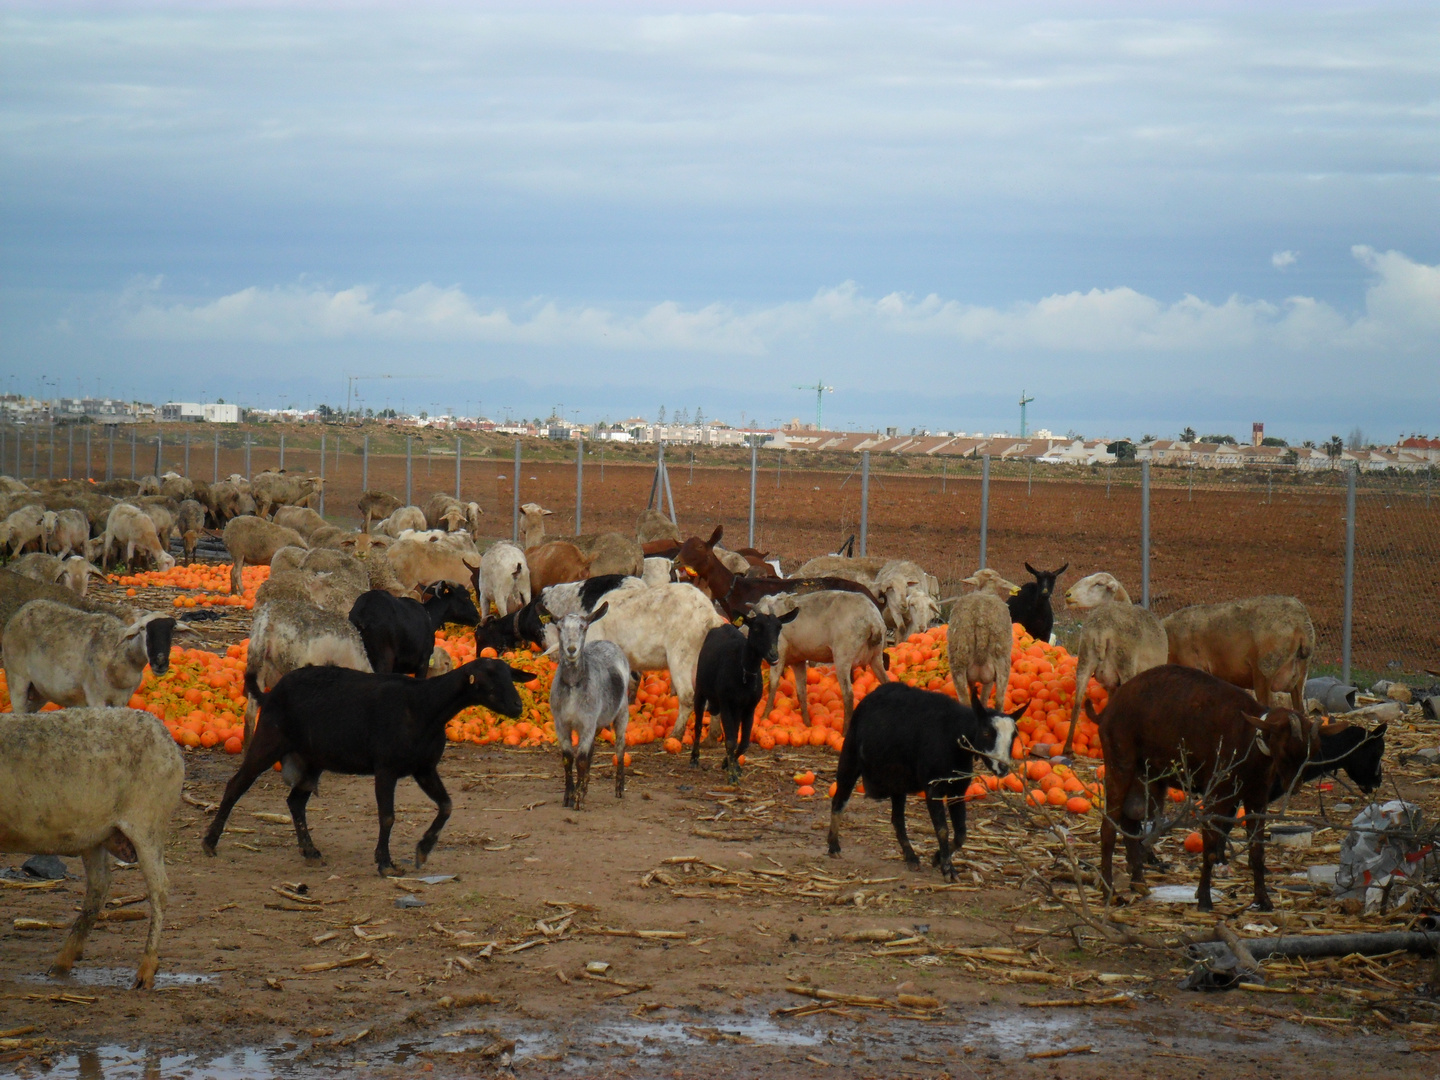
72	573
652	525
614	553
405	519
274	489
1118	639
23	528
134	529
291	633
254	540
423	560
532	525
300	518
375	505
1261	644
980	637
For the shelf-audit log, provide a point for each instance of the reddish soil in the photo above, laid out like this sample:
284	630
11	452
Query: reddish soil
757	914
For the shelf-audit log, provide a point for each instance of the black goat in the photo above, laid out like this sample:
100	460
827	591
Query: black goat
1347	746
728	679
1030	607
399	633
502	634
903	740
320	719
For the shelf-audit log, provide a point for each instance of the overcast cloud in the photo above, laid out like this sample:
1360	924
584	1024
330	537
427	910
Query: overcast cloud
1168	215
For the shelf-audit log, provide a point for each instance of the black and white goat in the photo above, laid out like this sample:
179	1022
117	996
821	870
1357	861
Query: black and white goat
902	740
588	694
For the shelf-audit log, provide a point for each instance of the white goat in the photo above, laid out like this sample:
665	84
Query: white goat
91	782
588	694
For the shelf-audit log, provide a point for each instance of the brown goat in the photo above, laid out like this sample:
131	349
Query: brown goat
556	562
1173	726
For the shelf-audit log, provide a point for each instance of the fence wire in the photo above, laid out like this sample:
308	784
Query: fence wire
1213	534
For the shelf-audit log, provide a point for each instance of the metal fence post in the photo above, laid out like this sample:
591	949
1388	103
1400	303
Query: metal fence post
133	434
984	510
579	480
51	468
35	454
457	466
110	457
864	499
365	464
1029	478
159	452
1145	534
187	453
2	448
70	452
409	501
1346	618
88	458
215	464
944	475
322	473
247	455
753	459
282	451
515	498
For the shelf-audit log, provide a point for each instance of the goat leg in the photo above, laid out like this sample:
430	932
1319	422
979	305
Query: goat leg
942	835
897	819
297	799
568	757
1255	836
431	784
264	749
617	725
582	776
385	803
97	885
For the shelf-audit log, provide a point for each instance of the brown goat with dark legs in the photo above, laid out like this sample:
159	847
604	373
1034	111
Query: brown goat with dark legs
1173	726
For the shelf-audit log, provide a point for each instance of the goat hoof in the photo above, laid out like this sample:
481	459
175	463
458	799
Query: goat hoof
391	870
834	851
913	865
207	847
314	858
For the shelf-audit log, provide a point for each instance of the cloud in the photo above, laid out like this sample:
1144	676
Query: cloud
1281	259
1402	312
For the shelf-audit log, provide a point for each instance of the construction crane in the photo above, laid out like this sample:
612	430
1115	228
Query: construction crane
1023	402
350	381
820	391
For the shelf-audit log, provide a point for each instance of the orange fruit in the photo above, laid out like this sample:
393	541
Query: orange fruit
1078	805
806	790
1056	796
803	778
1195	843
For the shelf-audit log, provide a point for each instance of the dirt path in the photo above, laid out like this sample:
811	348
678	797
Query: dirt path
743	917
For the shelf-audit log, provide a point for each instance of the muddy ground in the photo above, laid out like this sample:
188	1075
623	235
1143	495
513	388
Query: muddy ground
749	906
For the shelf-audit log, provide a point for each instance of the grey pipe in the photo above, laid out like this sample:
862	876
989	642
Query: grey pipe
409	500
751	542
579	480
515	498
457	466
365	464
1319	945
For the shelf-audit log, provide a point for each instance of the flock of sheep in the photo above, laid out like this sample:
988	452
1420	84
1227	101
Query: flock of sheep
342	673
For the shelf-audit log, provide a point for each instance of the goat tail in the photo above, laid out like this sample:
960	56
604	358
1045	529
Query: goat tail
252	688
1090	710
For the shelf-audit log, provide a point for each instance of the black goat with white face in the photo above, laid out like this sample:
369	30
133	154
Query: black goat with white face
1030	607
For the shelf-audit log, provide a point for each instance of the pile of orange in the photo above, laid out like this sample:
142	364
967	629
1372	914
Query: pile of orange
200	700
208	583
1055	786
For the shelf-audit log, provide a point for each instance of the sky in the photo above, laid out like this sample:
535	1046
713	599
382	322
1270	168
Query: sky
1145	216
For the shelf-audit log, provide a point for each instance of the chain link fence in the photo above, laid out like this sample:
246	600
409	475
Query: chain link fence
1213	534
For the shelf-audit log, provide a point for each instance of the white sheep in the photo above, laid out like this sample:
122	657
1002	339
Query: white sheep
56	653
22	528
663	627
1118	639
532	525
980	637
66	532
92	782
504	580
588	694
407	517
74	573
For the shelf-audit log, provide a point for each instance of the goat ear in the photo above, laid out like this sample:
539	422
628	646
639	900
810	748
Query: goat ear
598	613
1379	732
1033	571
1018	713
516	675
715	536
1062	569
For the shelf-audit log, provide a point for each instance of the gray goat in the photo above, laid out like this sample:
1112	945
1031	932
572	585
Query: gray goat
589	693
